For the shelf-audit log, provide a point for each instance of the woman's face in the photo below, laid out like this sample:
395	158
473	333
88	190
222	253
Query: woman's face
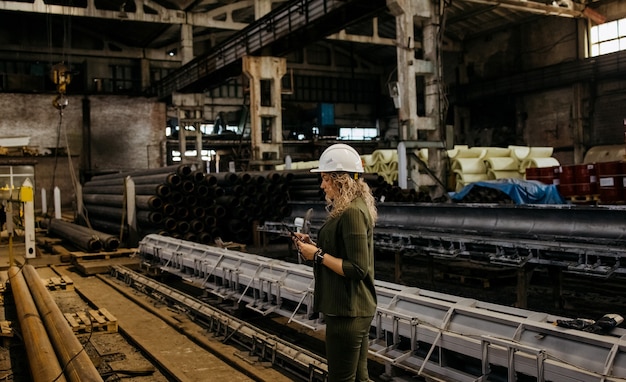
328	186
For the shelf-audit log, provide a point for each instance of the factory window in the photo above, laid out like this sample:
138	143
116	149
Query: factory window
122	79
206	155
358	133
608	37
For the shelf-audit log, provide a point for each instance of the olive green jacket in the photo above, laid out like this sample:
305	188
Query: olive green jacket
350	237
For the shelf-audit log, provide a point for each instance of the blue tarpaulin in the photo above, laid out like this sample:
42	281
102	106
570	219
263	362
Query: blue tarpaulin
520	191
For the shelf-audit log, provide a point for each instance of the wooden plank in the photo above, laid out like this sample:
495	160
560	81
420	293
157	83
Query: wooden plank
70	319
96	316
84	318
107	314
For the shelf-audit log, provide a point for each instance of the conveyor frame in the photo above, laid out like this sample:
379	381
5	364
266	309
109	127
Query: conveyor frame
423	332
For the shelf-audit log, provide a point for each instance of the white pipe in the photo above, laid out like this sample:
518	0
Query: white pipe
57	203
44	202
402	166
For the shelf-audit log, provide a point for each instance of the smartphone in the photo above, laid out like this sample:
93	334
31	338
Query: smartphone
293	235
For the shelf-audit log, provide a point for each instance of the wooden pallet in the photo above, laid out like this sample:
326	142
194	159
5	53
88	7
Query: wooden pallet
6	333
583	199
78	256
97	320
59	282
6	329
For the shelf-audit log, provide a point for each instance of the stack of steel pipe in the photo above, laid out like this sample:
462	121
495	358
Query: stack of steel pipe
185	203
83	237
305	186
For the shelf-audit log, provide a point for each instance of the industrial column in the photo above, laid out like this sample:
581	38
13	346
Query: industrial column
265	74
190	113
418	131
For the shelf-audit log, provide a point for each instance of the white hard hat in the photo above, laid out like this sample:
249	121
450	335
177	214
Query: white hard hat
340	157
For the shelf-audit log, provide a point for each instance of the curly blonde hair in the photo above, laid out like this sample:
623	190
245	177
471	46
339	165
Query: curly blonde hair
349	189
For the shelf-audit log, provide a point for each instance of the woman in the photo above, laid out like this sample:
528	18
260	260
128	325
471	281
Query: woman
343	259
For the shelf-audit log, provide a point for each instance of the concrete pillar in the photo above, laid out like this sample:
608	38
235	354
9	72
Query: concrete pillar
145	73
265	75
410	123
433	99
186	43
190	111
406	87
262	8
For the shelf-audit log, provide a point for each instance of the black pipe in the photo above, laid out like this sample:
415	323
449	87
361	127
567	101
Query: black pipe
205	238
595	224
210	180
173	180
182	213
110	200
187	186
148	202
197	225
197	176
191	200
228	201
116	190
109	242
111	227
105	211
226	178
183	227
170	224
216	192
176	197
169	209
149	217
84	240
162	190
198	212
180	169
202	190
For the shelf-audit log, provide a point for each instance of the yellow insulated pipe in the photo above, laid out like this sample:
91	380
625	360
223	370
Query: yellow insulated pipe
44	366
77	364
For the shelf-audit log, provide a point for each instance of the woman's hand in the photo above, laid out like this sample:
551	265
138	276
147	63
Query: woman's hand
303	237
305	246
307	250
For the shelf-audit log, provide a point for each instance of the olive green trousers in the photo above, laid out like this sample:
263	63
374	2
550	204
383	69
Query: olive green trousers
347	343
